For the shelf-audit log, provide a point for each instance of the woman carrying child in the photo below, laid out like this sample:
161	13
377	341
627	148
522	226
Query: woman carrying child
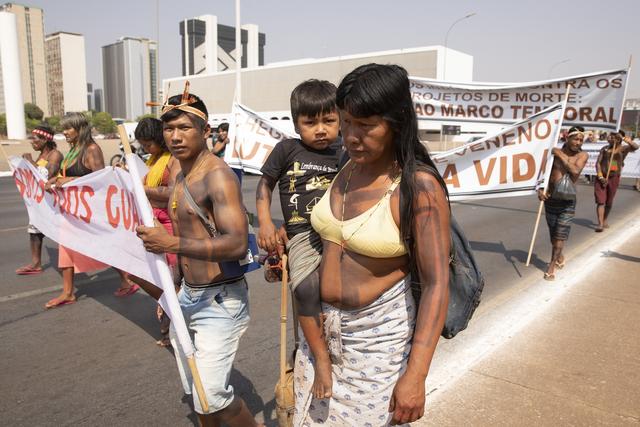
384	224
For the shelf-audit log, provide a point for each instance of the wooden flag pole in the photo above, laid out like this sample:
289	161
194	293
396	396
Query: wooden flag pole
613	153
283	322
535	227
535	231
197	381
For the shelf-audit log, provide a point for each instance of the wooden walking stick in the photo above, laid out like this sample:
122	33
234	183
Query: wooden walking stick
167	281
283	321
285	401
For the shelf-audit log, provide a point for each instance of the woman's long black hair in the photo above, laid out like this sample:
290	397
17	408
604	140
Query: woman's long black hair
383	90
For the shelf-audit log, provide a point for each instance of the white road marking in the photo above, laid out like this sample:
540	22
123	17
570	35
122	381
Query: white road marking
27	294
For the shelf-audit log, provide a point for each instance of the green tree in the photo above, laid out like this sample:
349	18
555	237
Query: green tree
31	123
32	111
144	116
103	122
3	124
54	123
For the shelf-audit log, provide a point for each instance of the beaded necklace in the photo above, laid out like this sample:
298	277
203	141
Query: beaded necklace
185	181
69	159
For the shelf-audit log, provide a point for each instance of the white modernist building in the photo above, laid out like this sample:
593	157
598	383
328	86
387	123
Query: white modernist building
67	70
267	89
10	76
209	47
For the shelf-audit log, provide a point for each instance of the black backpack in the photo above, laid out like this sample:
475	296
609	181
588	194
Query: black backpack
465	283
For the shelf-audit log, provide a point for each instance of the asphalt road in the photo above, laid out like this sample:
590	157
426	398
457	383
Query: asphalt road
95	363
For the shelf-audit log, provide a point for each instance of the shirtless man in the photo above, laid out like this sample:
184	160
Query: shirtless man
606	185
214	301
570	159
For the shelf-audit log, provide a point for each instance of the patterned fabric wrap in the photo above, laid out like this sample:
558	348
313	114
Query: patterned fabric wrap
369	348
559	215
305	253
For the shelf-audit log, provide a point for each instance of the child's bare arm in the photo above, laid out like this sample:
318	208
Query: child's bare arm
267	236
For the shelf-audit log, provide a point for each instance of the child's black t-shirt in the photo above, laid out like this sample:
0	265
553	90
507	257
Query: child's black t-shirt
303	176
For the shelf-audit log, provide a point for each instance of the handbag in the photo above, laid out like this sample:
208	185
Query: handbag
229	268
465	283
564	189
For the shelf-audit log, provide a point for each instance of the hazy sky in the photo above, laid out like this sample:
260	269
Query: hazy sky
510	40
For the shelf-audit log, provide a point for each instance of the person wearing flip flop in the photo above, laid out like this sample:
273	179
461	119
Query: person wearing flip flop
83	158
559	211
48	164
609	171
214	300
163	169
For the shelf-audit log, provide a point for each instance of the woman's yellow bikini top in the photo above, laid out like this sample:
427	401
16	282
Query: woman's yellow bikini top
373	233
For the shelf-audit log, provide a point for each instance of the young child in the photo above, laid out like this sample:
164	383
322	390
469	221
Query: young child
303	169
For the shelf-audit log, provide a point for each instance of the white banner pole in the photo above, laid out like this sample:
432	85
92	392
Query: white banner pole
168	299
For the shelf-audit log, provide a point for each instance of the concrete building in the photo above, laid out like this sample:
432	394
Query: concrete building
267	89
90	104
67	70
98	105
130	73
30	25
209	47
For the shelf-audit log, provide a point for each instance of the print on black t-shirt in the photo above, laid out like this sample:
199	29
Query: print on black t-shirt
303	176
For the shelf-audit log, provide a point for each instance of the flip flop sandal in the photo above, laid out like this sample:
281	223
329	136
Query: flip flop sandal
164	343
27	270
599	229
55	303
126	292
549	277
560	265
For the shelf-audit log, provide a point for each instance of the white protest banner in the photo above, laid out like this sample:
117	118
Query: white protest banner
631	167
510	163
595	100
251	139
95	215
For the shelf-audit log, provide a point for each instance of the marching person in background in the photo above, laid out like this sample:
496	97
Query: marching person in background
606	185
560	209
222	140
163	169
303	169
83	158
48	164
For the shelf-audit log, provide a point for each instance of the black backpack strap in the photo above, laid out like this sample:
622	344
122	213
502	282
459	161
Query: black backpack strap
210	226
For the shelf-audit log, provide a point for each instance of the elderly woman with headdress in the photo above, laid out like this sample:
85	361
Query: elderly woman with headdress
384	223
48	163
83	158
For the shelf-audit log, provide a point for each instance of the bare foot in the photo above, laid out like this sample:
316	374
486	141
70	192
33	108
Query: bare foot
322	381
